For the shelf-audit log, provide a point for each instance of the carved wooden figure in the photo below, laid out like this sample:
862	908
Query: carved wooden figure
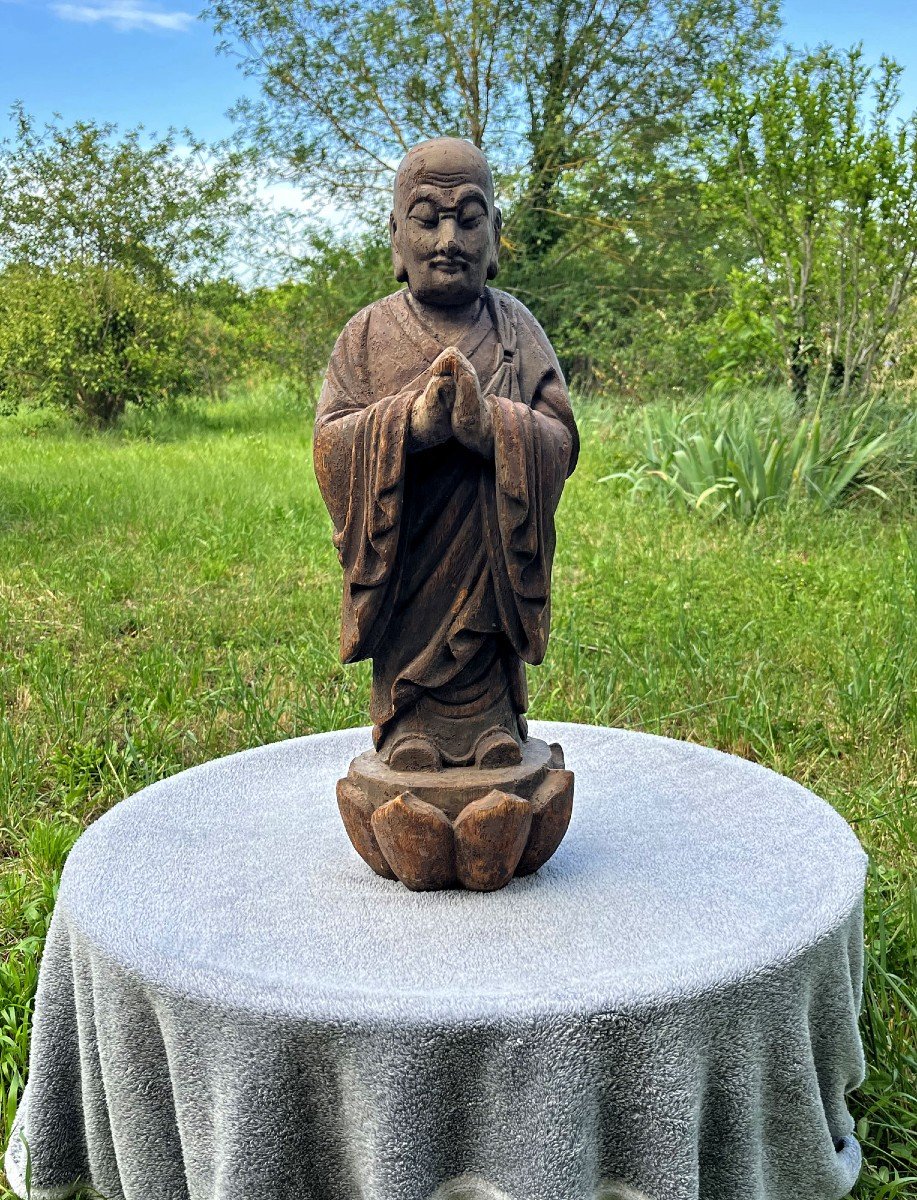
443	438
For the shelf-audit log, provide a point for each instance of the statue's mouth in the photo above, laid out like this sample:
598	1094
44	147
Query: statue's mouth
450	266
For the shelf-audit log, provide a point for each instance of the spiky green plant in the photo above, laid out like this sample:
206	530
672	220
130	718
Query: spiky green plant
733	458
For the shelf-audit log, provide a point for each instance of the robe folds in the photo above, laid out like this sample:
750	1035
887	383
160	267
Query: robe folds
446	554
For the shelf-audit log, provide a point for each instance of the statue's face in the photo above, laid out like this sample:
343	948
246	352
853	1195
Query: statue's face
445	238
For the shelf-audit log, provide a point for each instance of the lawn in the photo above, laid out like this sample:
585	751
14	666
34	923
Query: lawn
169	593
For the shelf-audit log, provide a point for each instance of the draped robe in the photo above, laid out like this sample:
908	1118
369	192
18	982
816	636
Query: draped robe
446	554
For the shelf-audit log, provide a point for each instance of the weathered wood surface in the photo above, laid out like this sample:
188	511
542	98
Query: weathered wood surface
552	809
490	836
387	817
443	438
417	841
451	789
356	810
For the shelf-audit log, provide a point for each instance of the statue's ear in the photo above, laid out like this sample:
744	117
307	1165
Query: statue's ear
494	265
401	273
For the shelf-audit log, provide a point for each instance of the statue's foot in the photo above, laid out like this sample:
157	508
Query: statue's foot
414	752
497	748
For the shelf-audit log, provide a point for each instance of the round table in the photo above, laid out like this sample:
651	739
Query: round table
232	1006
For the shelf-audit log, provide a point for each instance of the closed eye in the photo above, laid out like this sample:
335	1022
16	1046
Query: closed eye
471	214
424	214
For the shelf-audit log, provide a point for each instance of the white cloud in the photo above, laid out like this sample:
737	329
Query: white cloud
125	15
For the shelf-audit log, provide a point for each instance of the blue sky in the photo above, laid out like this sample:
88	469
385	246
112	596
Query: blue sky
128	61
153	61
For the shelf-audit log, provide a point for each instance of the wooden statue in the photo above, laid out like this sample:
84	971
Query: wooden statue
443	438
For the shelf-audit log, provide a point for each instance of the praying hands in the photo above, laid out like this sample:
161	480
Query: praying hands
452	405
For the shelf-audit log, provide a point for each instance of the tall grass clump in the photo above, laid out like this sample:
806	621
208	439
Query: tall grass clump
740	457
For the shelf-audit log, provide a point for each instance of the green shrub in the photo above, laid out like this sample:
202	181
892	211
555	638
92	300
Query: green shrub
89	339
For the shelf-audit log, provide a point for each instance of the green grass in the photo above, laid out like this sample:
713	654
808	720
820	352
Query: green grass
169	593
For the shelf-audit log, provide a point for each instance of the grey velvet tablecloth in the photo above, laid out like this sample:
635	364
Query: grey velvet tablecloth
233	1007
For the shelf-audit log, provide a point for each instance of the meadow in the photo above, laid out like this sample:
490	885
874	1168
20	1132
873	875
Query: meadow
169	593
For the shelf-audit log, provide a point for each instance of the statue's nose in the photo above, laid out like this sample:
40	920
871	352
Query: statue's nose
448	235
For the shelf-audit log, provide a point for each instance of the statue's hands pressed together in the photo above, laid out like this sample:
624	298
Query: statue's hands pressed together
472	424
431	415
452	405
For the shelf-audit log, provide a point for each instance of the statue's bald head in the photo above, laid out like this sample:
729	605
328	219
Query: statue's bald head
444	162
445	227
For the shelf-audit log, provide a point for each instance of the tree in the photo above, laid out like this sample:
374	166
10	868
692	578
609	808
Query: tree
546	89
812	164
105	241
164	208
581	105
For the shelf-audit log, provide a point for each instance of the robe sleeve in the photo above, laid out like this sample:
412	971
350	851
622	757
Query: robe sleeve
359	449
535	448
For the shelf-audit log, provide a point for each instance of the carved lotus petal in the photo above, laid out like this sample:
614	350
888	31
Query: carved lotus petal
490	836
417	842
356	812
552	807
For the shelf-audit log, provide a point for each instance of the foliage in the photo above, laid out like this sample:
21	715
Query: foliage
220	343
739	341
629	289
165	209
732	458
581	106
89	339
897	366
196	601
287	331
299	321
809	159
105	245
